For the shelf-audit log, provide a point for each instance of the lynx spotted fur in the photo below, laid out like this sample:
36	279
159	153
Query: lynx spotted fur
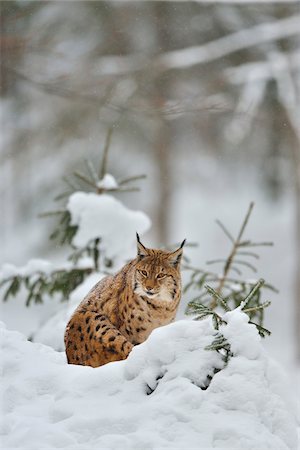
121	310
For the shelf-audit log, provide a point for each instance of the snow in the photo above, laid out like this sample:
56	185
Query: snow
105	216
50	404
43	322
34	266
52	331
244	339
108	182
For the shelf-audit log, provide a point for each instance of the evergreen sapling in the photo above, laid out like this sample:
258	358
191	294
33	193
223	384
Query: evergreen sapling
81	261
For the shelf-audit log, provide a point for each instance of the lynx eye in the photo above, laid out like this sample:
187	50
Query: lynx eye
144	273
160	276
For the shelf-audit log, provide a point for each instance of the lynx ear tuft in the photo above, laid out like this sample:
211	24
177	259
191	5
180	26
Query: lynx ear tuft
141	249
182	243
175	257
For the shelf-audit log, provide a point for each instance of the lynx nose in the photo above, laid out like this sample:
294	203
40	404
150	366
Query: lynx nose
149	287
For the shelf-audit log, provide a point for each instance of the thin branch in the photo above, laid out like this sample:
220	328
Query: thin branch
251	206
133	178
210	51
63	195
229	262
85	180
245	263
263	70
217	297
254	255
251	294
256	244
91	170
52	213
132	189
70	183
214	261
103	165
235	269
256	308
222	226
260	329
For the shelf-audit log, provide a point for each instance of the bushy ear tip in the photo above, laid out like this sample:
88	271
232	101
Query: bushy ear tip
142	250
183	243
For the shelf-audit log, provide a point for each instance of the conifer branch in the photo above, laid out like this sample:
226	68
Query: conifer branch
254	255
52	213
91	170
222	226
85	179
73	186
236	244
103	165
133	178
220	343
263	332
64	281
63	195
256	244
256	308
252	293
60	281
217	297
236	288
232	268
247	264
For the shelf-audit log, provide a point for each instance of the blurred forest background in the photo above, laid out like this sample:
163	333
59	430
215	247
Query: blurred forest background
201	97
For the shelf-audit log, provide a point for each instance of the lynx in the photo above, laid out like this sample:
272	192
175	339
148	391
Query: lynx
120	311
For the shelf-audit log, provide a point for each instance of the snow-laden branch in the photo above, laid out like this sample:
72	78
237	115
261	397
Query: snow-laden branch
239	2
289	95
191	56
280	67
236	41
264	70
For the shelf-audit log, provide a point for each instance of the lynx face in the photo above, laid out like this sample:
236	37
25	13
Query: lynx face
157	273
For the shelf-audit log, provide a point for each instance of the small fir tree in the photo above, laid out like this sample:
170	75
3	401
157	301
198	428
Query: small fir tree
220	344
230	288
40	280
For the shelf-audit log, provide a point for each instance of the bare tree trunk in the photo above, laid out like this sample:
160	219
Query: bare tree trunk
162	156
163	139
296	166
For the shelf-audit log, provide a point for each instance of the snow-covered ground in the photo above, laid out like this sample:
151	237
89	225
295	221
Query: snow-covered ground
49	404
160	397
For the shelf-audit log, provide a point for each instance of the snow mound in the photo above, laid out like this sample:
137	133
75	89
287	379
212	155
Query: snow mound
160	397
52	331
104	216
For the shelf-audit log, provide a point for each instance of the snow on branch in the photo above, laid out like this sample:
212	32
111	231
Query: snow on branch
236	41
264	70
240	2
283	69
191	56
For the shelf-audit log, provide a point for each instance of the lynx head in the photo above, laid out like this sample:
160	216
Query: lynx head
157	272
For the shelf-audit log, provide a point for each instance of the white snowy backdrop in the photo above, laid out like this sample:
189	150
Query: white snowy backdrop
204	99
